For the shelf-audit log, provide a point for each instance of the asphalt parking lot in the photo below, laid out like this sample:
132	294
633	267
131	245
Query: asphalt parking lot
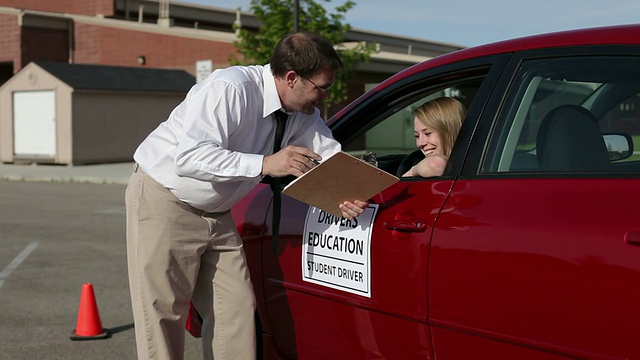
54	237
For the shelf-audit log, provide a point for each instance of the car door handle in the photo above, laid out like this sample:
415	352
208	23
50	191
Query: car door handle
632	237
406	225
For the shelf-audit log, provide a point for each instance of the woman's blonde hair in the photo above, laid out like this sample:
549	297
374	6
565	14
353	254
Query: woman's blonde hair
443	115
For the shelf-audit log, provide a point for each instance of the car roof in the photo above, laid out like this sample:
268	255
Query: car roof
609	35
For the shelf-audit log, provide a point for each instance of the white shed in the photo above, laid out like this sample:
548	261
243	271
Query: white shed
59	113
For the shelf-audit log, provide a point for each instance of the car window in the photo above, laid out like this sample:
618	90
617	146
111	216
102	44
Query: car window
570	115
392	137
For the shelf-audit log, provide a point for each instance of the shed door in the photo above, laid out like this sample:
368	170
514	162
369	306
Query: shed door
34	123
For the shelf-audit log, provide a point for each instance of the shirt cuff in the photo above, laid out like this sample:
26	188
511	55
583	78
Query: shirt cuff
251	165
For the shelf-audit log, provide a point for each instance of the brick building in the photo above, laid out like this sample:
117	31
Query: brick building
162	34
139	33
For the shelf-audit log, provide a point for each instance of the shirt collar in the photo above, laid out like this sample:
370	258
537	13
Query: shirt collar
271	97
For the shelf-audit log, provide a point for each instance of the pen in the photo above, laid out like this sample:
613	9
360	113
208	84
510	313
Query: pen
314	161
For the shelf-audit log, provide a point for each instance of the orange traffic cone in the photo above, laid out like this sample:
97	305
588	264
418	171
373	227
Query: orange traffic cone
88	326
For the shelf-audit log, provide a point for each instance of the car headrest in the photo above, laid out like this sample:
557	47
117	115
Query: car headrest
569	139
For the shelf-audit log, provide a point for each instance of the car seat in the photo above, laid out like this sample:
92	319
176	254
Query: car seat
569	139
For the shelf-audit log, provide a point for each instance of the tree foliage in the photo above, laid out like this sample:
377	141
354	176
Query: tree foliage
276	19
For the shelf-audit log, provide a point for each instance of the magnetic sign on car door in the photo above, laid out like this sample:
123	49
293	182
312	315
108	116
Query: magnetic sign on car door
336	250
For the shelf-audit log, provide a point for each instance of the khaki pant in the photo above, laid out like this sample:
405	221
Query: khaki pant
176	254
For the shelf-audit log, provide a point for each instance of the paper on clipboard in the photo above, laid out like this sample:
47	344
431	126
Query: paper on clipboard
339	178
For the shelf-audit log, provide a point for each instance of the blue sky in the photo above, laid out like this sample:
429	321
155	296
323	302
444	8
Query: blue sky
474	22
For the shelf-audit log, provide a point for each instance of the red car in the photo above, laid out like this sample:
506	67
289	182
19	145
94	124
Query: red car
528	247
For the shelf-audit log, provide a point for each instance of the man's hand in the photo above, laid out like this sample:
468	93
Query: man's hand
292	160
352	209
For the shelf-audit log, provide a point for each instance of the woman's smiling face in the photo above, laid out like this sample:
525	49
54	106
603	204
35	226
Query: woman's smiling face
427	139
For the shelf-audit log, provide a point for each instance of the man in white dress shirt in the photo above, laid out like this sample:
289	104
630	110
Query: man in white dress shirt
182	243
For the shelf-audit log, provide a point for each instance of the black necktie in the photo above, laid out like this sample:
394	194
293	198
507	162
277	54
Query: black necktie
281	120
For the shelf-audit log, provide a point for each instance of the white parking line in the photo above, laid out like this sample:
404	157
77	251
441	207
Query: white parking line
17	261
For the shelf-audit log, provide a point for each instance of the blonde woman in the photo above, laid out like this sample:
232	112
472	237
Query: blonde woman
436	126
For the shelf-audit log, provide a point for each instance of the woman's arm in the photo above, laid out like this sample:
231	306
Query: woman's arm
432	165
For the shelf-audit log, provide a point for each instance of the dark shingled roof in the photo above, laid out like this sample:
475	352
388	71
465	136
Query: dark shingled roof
119	78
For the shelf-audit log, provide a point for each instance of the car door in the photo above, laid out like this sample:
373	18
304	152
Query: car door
535	254
384	314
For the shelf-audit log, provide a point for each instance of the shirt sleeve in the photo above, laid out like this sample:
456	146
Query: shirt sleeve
317	137
210	117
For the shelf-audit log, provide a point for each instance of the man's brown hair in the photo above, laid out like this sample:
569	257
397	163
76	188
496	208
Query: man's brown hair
305	53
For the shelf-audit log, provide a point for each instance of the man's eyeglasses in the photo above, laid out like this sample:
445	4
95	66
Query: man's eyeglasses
322	89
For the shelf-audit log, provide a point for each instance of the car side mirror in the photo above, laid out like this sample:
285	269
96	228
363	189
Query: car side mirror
619	146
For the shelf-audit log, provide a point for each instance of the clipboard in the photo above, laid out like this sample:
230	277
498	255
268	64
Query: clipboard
341	177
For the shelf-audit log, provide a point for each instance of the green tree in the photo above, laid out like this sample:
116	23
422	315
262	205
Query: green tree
276	19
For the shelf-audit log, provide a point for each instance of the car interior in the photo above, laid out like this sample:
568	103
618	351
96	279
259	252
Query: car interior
390	135
564	115
570	115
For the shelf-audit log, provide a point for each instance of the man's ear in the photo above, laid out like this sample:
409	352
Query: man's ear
291	77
